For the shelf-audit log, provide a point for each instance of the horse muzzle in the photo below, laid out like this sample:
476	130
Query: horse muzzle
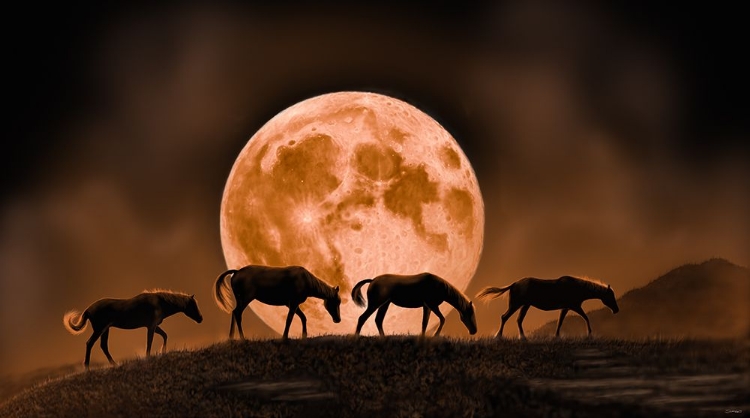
199	320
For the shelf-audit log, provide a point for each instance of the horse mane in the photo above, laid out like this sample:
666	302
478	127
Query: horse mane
322	287
592	284
171	296
461	299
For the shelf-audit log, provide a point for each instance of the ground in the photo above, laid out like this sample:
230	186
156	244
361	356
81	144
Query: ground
408	376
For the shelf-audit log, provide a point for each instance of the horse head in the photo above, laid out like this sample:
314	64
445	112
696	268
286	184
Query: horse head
609	300
192	311
333	305
469	318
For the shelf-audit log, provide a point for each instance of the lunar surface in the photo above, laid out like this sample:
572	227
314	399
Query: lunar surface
352	185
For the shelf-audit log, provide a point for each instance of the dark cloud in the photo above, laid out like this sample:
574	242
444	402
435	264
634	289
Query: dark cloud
606	140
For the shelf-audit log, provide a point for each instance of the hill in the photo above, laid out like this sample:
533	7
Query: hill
404	376
707	300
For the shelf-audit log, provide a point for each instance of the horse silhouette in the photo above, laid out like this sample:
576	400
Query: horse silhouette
566	293
279	286
147	309
425	290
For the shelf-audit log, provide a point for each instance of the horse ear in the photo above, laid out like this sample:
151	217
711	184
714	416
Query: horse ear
471	303
192	296
336	289
609	286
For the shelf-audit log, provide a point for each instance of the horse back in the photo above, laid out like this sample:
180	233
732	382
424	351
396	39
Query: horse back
408	291
397	281
271	285
267	276
130	313
564	292
403	279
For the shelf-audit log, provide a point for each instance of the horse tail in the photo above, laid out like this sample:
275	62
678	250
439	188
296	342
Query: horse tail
75	322
357	292
223	292
489	293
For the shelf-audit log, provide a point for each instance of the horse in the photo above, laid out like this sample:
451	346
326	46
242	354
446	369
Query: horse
278	286
147	309
425	290
566	293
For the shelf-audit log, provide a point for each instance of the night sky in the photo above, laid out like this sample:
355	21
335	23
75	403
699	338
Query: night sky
610	141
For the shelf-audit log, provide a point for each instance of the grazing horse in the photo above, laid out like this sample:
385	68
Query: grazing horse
147	310
278	286
425	290
566	293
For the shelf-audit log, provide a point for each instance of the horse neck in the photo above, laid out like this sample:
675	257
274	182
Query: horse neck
170	307
318	289
455	299
593	292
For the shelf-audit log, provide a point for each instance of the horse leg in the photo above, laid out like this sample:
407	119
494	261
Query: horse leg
105	346
560	321
302	318
149	340
381	316
521	315
580	311
362	318
90	343
436	310
511	310
425	318
237	318
289	317
163	334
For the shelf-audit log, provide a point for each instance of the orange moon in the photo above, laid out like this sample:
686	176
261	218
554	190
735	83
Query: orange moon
352	185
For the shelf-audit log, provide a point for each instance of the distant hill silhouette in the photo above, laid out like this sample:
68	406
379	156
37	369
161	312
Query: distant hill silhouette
707	300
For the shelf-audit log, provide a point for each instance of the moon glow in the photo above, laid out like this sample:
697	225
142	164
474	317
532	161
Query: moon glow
352	185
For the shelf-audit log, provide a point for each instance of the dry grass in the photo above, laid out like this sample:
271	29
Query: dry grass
396	376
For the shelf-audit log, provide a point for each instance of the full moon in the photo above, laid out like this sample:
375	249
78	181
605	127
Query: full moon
352	185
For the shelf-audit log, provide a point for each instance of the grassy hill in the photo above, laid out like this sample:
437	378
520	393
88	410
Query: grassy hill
370	376
707	300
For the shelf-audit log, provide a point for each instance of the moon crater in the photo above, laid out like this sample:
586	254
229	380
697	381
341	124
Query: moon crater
377	162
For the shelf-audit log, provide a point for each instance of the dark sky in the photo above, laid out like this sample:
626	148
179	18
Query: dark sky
609	141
